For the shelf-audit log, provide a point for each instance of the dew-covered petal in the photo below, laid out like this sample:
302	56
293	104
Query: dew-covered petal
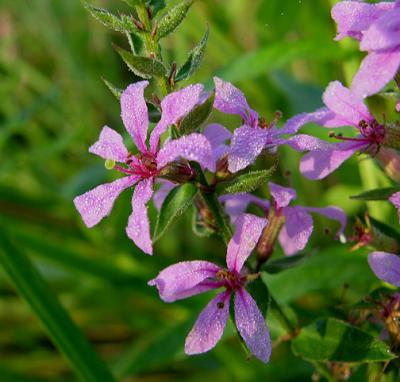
282	195
230	100
134	113
353	17
210	325
110	145
331	212
159	196
297	230
248	231
138	228
174	107
346	104
386	266
251	325
95	204
383	34
395	200
246	144
193	147
320	163
178	281
304	142
217	134
376	70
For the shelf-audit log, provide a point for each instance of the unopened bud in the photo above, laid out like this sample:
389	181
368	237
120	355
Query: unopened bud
109	164
390	161
178	172
392	136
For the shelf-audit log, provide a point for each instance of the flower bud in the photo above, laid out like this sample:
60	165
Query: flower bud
392	136
179	172
390	161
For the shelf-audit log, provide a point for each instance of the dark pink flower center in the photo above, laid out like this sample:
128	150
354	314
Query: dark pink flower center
143	165
230	280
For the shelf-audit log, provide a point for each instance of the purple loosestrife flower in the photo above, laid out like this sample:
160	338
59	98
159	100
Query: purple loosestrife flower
386	266
395	199
254	135
343	108
141	169
189	278
298	223
377	27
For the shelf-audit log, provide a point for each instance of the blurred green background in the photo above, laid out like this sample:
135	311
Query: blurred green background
53	105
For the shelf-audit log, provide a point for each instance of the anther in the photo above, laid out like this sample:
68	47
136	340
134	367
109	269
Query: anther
220	305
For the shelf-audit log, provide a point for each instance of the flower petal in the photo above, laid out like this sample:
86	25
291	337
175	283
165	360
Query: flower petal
184	279
230	100
217	134
297	229
95	204
346	104
246	144
376	70
134	113
320	163
191	147
248	230
210	325
282	195
395	200
138	228
331	212
174	107
303	142
251	325
386	266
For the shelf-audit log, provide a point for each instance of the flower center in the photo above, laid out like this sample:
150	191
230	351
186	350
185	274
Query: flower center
231	280
143	165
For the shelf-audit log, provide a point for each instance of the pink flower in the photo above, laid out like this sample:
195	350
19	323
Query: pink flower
386	266
395	199
298	224
189	278
141	169
377	27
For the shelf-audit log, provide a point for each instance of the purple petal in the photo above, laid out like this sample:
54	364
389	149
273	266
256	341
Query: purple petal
303	142
174	107
398	107
248	230
320	163
138	228
251	325
282	195
246	144
230	100
376	70
210	325
160	195
134	113
395	199
354	17
296	231
236	204
345	104
386	266
110	145
383	34
191	147
331	212
95	204
184	279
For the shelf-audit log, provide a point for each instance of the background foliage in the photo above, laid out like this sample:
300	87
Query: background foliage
54	103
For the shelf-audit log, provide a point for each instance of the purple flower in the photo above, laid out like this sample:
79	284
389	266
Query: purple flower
254	135
377	27
343	108
141	169
395	199
298	223
386	266
189	278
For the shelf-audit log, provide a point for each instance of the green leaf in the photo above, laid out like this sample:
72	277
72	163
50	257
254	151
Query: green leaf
120	24
377	194
171	20
279	265
196	117
329	339
144	67
385	229
63	331
157	5
113	89
260	293
194	59
245	183
175	204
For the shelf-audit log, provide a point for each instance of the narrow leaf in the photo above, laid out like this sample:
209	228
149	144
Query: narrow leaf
329	339
260	293
279	265
157	5
113	89
63	331
175	204
171	20
194	59
385	229
377	194
144	67
196	117
245	183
